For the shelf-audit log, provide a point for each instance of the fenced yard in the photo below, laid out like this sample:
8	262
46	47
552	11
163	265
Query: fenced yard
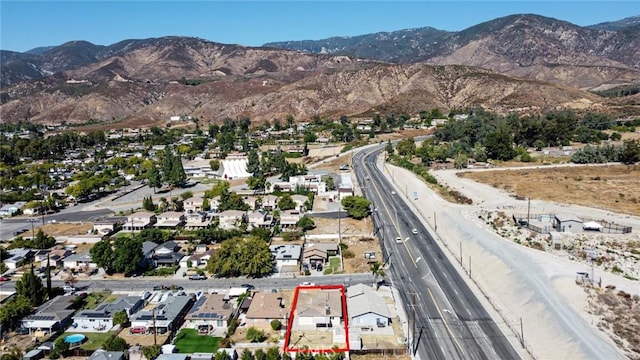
334	266
188	342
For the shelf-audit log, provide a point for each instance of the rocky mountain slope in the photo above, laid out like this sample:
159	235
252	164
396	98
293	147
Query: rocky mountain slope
517	45
510	64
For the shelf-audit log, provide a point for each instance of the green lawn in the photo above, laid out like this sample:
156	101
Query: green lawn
334	266
94	340
188	341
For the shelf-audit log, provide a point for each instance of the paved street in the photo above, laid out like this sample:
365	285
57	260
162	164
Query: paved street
446	320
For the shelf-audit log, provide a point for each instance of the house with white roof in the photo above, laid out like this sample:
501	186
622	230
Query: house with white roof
289	218
170	220
193	204
79	262
259	219
366	308
286	255
230	219
139	220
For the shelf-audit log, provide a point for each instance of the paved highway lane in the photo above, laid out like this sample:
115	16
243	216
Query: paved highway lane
453	322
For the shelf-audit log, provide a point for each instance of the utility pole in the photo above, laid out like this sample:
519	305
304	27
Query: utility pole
155	330
528	210
460	252
413	323
521	333
469	266
435	222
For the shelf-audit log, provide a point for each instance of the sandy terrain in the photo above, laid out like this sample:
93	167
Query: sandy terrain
611	187
552	308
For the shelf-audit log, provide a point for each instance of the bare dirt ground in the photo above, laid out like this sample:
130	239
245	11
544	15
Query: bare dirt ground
142	339
614	187
62	229
356	234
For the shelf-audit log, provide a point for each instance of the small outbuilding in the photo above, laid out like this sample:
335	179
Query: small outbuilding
567	223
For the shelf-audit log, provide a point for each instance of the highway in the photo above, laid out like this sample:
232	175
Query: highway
445	318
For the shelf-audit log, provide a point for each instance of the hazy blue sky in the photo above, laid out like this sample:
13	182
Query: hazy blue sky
27	24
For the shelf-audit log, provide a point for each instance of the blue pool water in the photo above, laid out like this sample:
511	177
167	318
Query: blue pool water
74	338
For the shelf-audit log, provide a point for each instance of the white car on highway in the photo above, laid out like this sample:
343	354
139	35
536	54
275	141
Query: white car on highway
399	240
414	231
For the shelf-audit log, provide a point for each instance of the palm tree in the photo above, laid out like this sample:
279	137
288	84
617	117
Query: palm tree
377	270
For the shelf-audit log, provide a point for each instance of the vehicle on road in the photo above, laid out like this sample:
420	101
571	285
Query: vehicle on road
197	277
399	240
247	286
68	288
414	231
393	192
306	283
4	278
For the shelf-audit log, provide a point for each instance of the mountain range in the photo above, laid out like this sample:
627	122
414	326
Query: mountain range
519	62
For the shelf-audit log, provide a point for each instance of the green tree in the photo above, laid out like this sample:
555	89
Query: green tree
59	348
237	257
102	254
406	147
257	182
147	203
42	240
221	355
357	207
306	223
232	201
151	352
247	355
120	318
215	164
30	286
377	270
13	354
253	162
14	310
310	137
276	324
115	343
154	178
389	148
273	354
217	190
286	202
254	335
127	255
630	152
499	145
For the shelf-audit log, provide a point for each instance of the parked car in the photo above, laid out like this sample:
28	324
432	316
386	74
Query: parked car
4	278
247	286
197	277
68	288
306	283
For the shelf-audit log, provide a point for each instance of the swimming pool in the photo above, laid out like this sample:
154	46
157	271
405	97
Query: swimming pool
74	339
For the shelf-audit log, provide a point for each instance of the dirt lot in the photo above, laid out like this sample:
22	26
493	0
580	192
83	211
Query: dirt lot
357	235
142	339
62	229
615	187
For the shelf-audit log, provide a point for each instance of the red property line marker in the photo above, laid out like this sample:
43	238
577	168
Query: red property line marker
345	318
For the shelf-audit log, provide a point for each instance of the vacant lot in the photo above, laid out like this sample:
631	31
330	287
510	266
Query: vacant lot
62	229
615	187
